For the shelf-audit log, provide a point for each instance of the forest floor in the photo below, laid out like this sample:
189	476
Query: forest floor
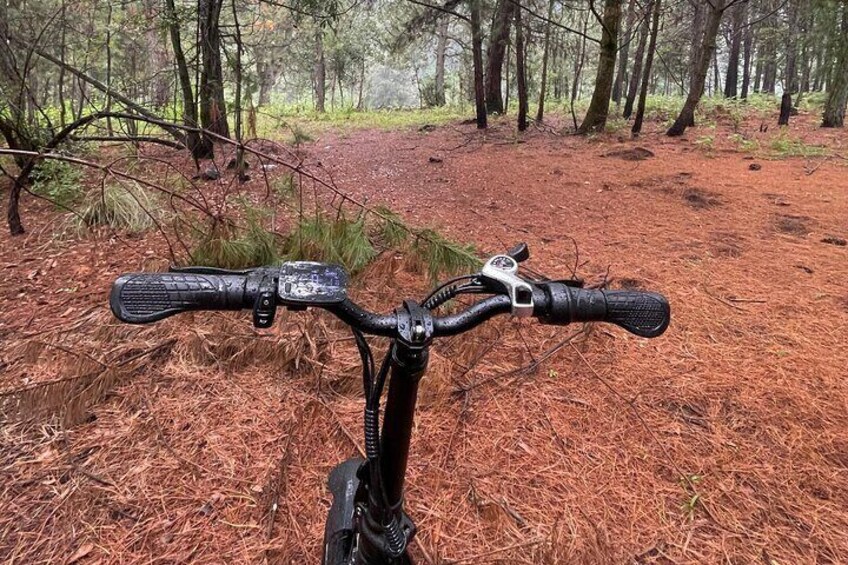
724	440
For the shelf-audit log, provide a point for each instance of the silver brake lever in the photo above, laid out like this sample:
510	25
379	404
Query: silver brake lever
501	271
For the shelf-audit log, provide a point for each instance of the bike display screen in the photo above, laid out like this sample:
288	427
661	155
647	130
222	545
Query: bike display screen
312	284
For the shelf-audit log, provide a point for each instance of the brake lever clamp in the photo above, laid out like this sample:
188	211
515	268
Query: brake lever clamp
501	273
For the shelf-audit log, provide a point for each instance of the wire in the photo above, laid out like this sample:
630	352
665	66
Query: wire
448	283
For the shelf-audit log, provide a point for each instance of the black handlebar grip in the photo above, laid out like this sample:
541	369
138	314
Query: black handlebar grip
141	298
645	314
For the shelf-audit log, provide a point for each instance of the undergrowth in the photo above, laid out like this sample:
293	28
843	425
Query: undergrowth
58	181
120	207
231	247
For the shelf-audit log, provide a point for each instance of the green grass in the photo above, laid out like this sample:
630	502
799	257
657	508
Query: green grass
303	125
128	208
785	145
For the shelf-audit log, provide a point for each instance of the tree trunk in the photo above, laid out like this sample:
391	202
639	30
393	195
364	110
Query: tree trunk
477	56
200	146
747	51
596	115
623	56
441	50
495	52
687	113
785	109
520	70
791	78
649	62
731	81
540	113
213	108
837	98
633	87
319	77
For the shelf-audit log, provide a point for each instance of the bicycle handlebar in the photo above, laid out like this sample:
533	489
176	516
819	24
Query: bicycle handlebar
147	297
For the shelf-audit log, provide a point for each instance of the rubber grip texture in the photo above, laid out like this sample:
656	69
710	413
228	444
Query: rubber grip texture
645	314
142	298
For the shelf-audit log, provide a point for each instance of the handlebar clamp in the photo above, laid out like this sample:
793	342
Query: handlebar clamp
414	325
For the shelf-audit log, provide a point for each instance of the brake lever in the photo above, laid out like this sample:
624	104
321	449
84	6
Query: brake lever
501	273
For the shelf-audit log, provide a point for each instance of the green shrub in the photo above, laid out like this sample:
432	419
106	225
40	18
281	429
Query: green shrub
132	210
58	181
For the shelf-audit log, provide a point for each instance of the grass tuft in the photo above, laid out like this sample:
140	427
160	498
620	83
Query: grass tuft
118	206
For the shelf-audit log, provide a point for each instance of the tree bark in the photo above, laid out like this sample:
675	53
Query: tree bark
477	56
747	52
715	9
319	77
596	115
731	82
213	108
200	147
837	98
624	55
441	51
540	112
520	70
633	87
495	52
649	62
785	109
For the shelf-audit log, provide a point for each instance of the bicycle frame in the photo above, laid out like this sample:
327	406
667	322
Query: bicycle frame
357	516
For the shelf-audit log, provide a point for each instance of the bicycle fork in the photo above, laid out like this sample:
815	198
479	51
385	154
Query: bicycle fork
377	531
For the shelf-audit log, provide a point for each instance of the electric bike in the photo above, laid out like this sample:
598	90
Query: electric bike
367	524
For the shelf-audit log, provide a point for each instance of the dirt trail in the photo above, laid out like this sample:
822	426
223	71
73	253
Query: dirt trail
726	440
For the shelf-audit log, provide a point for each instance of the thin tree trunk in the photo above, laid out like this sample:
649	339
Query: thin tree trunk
441	50
540	113
785	109
791	78
495	53
837	98
520	71
649	63
623	56
320	71
213	108
200	146
747	51
109	65
633	87
687	113
578	69
731	82
240	164
477	56
596	115
62	47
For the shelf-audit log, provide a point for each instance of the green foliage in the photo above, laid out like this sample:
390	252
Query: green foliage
338	240
439	255
116	205
785	145
59	181
230	247
391	229
706	142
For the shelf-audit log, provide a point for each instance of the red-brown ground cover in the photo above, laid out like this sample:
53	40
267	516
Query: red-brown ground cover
725	440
